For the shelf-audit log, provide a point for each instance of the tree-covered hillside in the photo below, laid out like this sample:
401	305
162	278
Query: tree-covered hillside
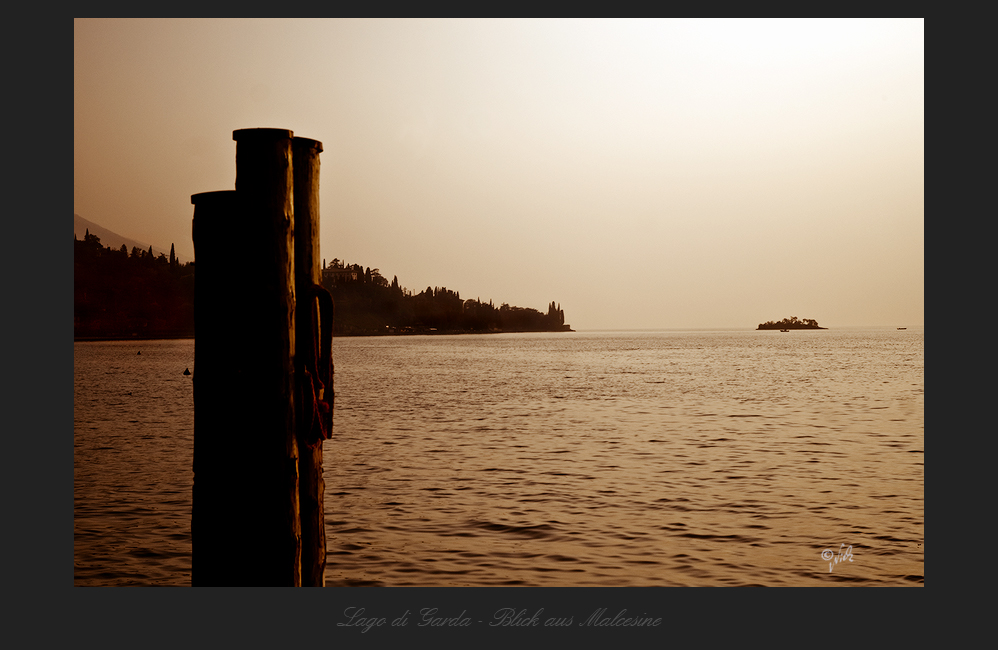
122	294
366	303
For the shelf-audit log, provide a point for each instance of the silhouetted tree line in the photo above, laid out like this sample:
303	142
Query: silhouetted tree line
119	293
124	294
367	304
791	324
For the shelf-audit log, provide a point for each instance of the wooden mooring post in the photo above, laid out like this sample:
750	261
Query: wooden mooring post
313	360
257	515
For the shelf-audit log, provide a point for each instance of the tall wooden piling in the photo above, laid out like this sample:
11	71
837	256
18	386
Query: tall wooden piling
246	525
313	333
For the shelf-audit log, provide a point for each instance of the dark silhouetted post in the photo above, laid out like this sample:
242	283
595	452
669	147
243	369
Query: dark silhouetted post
218	517
246	526
315	382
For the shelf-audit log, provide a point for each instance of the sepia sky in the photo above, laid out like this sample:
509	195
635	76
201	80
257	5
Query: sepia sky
642	173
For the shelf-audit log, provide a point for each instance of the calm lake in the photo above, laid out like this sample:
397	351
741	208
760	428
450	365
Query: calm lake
700	458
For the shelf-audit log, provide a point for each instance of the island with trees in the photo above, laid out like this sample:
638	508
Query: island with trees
791	323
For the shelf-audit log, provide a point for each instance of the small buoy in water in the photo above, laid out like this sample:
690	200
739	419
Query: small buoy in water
187	371
140	351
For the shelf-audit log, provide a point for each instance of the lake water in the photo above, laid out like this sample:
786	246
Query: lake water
706	458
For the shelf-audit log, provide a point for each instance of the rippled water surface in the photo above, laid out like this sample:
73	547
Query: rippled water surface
610	459
133	444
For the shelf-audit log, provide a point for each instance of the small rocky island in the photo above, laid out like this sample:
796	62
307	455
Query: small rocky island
792	324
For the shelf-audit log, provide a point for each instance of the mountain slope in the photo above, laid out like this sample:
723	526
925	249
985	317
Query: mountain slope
114	240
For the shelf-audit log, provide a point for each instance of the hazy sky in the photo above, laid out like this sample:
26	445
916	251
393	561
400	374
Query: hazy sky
642	173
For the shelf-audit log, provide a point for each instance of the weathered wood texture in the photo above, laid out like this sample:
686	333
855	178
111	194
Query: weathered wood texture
308	328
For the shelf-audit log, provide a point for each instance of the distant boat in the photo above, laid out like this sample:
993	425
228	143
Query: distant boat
902	328
784	330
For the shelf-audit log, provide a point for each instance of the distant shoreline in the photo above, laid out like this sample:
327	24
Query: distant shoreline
790	327
450	333
143	337
84	339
